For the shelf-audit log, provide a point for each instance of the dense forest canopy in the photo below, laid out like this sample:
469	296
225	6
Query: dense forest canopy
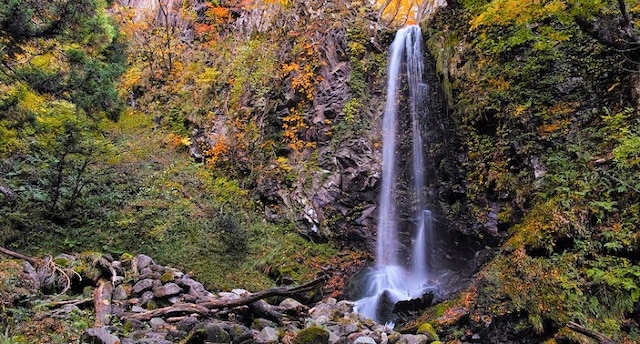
254	127
61	61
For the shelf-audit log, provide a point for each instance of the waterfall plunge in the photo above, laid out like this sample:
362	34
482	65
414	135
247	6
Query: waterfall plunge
398	276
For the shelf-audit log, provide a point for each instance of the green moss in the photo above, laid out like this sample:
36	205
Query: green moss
428	330
167	277
531	97
312	335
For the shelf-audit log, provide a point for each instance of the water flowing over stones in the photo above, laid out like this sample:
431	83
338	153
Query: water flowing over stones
398	275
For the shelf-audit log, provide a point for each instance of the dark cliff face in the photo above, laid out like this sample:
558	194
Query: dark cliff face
314	156
329	185
337	199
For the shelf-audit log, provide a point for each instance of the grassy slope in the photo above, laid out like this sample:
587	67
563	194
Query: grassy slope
163	204
175	210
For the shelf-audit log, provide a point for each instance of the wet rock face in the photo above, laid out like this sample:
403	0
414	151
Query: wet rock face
341	200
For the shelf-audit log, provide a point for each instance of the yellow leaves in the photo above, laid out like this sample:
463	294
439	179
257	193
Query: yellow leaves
177	141
131	78
209	75
521	109
285	3
294	126
499	83
46	62
31	101
356	49
403	12
10	143
518	12
283	164
185	141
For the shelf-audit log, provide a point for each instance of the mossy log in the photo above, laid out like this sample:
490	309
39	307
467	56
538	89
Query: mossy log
601	338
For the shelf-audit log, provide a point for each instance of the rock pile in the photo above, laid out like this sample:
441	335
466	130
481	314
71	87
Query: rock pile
140	302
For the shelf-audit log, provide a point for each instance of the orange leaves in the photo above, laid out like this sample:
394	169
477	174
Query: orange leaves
302	73
339	268
294	125
214	18
216	13
177	141
219	152
461	307
281	2
403	12
303	70
303	79
558	126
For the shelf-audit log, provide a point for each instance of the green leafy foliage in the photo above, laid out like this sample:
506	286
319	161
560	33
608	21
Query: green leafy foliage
60	63
549	129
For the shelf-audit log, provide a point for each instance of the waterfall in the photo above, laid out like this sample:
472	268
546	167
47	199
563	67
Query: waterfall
398	276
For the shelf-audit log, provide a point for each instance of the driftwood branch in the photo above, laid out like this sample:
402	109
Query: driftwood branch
18	255
278	291
73	302
171	311
250	300
601	338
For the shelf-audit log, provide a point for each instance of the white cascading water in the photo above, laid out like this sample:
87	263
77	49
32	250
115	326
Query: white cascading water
390	281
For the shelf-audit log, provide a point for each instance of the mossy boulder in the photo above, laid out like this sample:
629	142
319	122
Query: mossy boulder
167	277
428	330
312	335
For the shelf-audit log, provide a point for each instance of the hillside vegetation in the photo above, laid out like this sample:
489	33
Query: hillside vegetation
543	93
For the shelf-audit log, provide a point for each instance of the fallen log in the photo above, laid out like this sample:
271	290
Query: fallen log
247	300
102	302
264	310
278	291
601	338
171	311
18	255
